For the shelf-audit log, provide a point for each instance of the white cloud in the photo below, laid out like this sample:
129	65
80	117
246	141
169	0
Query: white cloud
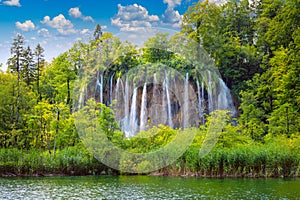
12	3
26	26
88	18
172	3
133	18
76	13
84	31
60	23
172	18
218	2
44	33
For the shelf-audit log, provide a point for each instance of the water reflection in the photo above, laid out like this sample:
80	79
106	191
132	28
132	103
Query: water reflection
143	187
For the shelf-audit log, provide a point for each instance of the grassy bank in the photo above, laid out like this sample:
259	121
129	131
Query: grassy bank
69	161
246	161
277	158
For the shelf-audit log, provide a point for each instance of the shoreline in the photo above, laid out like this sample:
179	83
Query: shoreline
153	174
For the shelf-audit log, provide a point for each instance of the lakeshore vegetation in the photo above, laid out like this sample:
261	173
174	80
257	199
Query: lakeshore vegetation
256	50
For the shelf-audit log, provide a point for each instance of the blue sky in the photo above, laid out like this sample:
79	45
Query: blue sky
57	24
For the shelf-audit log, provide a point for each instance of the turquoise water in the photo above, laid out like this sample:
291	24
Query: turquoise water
144	187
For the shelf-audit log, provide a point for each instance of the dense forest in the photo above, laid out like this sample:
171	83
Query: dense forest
255	47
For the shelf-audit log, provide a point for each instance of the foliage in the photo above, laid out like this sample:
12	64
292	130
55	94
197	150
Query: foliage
255	45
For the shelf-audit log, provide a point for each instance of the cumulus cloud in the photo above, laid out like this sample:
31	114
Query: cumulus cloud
26	26
171	17
172	3
60	23
133	18
84	31
43	33
12	3
218	2
76	13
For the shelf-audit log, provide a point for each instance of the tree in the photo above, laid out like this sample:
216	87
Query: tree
276	90
98	32
203	23
40	62
58	80
15	66
157	49
227	34
28	69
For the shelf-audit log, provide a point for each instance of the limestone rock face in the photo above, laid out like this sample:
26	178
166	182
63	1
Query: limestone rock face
178	103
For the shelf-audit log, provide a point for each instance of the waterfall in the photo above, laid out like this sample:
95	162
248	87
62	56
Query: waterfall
143	113
118	85
80	101
224	98
210	93
132	128
156	102
202	97
119	97
168	102
153	112
111	89
186	102
176	106
163	111
199	101
100	85
126	102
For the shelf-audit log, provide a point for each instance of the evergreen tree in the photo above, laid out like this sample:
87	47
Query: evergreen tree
40	62
98	32
15	66
28	70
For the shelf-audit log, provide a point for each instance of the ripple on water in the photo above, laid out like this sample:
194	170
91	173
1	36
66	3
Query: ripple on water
138	187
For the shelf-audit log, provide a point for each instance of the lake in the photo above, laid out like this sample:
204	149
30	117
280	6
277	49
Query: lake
145	187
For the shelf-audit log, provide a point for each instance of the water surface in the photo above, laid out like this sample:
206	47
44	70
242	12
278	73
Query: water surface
143	187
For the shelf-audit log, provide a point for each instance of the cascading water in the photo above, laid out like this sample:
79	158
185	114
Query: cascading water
224	98
170	122
210	92
126	104
119	86
100	86
155	109
143	113
80	101
111	89
186	102
202	97
132	128
157	105
199	100
164	110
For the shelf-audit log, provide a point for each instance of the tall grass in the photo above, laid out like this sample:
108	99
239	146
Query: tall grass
268	160
276	157
69	161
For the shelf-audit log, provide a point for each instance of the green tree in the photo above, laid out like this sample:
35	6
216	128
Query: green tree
40	63
28	69
15	66
98	32
157	49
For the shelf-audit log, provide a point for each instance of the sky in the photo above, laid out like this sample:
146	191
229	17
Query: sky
57	24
